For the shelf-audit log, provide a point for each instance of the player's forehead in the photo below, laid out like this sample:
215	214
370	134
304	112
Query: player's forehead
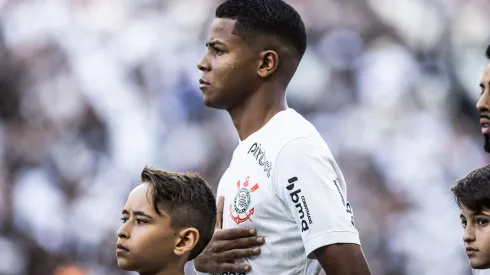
486	74
222	30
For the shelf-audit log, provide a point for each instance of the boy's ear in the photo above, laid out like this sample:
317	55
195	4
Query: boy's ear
186	240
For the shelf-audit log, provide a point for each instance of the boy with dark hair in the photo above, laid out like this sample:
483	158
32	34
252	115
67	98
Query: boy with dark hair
472	194
168	219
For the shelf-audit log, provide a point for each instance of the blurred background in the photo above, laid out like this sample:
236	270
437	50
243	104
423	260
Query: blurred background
91	91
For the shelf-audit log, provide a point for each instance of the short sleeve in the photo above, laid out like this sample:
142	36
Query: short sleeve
309	182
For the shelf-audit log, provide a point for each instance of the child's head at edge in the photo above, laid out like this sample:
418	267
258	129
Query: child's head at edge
472	194
168	219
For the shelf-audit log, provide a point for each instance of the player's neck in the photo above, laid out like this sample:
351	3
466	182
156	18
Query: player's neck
256	111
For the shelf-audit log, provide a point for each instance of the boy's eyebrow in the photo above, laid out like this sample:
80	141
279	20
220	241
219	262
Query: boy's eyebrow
481	214
137	213
474	214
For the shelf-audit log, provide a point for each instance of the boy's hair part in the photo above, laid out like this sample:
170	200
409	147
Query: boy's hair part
268	17
473	191
188	200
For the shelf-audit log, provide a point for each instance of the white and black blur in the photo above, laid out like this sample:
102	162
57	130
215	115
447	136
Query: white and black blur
91	91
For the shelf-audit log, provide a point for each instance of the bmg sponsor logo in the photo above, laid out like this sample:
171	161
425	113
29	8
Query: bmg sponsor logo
302	206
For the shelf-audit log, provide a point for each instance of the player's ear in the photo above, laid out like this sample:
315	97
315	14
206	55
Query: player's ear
269	62
186	240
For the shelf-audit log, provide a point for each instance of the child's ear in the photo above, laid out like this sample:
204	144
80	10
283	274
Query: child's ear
186	240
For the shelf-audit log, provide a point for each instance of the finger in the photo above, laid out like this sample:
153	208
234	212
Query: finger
219	213
230	255
227	267
240	243
234	233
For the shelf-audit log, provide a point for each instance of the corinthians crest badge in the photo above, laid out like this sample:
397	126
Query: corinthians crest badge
239	211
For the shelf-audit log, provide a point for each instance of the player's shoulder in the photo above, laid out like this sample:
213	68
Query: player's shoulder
296	135
291	125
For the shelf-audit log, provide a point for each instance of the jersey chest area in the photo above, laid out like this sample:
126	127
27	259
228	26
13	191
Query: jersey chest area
248	190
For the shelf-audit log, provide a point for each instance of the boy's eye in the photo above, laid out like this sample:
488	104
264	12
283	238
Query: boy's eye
481	221
463	223
140	221
124	220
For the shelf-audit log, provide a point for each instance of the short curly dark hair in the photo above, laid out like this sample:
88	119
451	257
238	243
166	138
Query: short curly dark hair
270	17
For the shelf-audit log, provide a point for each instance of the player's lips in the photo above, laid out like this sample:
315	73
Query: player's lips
203	83
485	125
121	249
470	251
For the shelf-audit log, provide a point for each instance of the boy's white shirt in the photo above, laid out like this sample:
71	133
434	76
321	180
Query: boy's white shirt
481	271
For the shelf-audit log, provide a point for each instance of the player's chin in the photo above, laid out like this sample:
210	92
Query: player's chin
213	102
208	102
486	145
126	264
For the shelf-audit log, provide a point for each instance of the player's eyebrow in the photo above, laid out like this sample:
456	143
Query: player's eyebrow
137	213
214	43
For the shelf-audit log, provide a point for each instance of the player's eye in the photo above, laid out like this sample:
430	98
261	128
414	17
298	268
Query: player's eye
218	51
140	221
124	220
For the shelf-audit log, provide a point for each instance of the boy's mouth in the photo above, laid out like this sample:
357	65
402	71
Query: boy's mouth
470	251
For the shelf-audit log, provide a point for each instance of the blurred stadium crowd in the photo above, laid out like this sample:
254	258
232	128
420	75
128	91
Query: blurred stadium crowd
91	91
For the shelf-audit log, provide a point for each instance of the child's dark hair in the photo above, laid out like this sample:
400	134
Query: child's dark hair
188	200
473	191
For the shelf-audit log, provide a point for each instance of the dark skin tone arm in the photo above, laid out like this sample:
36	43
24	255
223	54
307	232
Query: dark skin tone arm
342	259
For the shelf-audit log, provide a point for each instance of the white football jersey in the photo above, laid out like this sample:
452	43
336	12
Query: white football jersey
284	182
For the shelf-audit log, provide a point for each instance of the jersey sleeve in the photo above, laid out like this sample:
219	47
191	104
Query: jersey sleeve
310	184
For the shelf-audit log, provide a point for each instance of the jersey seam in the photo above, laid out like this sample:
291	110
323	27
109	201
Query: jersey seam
277	157
329	232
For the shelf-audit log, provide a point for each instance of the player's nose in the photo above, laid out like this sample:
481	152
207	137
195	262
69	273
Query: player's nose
482	105
203	64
